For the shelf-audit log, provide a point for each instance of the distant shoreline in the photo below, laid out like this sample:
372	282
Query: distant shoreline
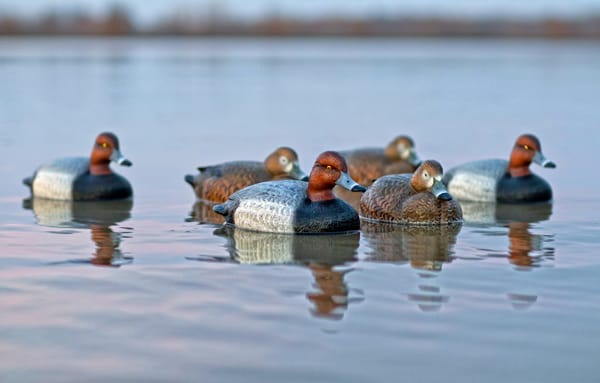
292	37
117	22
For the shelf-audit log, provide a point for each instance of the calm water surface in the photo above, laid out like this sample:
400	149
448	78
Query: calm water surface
144	292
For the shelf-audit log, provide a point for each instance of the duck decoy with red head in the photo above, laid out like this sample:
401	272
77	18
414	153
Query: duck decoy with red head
292	206
83	179
497	180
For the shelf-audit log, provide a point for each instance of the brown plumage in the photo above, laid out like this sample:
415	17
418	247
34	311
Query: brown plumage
367	164
216	183
420	198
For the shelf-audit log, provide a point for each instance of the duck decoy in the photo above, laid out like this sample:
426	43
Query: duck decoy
497	180
418	198
292	206
216	183
83	179
365	165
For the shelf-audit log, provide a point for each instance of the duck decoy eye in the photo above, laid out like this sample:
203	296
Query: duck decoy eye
283	160
104	145
526	147
328	167
425	175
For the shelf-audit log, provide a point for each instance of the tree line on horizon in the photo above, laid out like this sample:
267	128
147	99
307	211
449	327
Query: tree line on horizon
117	21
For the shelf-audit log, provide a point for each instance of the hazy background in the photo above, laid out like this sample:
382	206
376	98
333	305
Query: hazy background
537	18
151	10
513	301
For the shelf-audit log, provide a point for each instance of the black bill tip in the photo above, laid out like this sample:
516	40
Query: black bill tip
358	188
190	180
445	197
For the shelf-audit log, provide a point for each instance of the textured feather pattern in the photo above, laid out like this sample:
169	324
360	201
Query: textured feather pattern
217	183
269	206
366	165
399	167
284	207
393	199
476	181
54	180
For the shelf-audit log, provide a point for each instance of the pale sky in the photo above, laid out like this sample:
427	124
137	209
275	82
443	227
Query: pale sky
148	10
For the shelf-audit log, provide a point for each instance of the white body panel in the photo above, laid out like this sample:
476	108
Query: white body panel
476	181
274	217
269	206
54	180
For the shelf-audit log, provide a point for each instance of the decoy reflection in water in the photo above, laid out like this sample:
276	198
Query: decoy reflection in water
321	254
428	298
245	246
521	301
331	295
202	212
484	213
97	216
108	252
525	249
425	247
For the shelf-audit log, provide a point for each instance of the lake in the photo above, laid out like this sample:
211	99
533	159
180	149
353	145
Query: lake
143	291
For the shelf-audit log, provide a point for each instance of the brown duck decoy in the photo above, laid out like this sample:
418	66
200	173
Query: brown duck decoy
418	198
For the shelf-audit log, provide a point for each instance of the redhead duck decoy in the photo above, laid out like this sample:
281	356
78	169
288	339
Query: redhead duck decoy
83	179
497	180
367	164
292	206
216	183
418	198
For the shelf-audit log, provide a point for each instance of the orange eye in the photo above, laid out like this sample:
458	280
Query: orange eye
328	167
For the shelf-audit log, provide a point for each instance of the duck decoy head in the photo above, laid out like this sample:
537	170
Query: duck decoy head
106	149
403	148
330	169
527	149
284	162
428	177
